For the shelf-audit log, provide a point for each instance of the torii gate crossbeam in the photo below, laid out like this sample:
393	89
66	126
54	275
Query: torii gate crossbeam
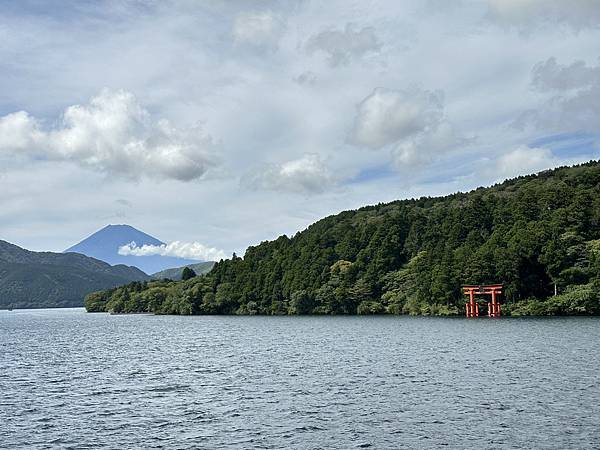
472	308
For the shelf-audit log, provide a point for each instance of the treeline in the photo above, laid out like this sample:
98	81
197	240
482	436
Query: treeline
537	234
55	280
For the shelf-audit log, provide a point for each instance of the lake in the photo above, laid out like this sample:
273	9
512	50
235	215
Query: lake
69	379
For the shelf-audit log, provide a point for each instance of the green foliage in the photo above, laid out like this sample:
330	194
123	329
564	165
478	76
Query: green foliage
370	307
301	303
95	302
187	273
576	301
535	234
50	280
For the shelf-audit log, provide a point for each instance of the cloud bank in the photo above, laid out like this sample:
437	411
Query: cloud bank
526	14
344	46
187	250
259	29
523	160
306	175
570	97
411	121
269	82
113	134
550	76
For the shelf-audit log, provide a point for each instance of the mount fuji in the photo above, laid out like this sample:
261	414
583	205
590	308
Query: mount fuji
104	245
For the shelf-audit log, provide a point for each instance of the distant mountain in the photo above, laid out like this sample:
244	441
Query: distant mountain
44	279
104	245
175	274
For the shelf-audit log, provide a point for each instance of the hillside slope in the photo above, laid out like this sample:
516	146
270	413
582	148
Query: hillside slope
175	273
44	279
535	234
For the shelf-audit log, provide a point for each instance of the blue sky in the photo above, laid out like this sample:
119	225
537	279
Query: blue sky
220	124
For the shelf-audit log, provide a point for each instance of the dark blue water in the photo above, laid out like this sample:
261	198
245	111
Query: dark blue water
74	380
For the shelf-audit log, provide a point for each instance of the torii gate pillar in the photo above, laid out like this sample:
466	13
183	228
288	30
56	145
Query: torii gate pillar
472	308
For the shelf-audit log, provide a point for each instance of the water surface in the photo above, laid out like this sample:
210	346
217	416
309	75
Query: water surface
74	380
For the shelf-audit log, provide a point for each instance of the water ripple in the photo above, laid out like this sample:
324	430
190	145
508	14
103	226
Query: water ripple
75	380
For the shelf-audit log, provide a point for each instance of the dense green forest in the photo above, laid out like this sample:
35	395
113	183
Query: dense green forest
53	280
536	234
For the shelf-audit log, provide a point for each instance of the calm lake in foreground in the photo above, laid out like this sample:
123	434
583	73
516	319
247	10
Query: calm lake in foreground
69	379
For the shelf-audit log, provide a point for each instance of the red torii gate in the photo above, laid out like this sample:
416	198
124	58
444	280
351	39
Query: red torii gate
472	308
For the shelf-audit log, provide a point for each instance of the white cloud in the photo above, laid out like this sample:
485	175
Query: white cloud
523	160
343	46
18	131
411	122
189	62
258	29
114	134
526	14
306	78
124	202
307	175
188	250
387	116
571	95
425	147
550	76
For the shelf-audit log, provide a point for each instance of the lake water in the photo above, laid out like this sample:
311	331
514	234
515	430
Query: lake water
74	380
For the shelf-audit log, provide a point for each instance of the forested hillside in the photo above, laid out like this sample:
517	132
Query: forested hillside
49	280
535	234
175	273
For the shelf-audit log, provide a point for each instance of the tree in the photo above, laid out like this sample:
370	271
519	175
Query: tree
358	293
187	273
301	303
531	234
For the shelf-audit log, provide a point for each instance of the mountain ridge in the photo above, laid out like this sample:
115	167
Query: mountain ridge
45	279
104	244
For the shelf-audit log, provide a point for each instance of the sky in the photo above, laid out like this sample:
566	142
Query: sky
216	125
